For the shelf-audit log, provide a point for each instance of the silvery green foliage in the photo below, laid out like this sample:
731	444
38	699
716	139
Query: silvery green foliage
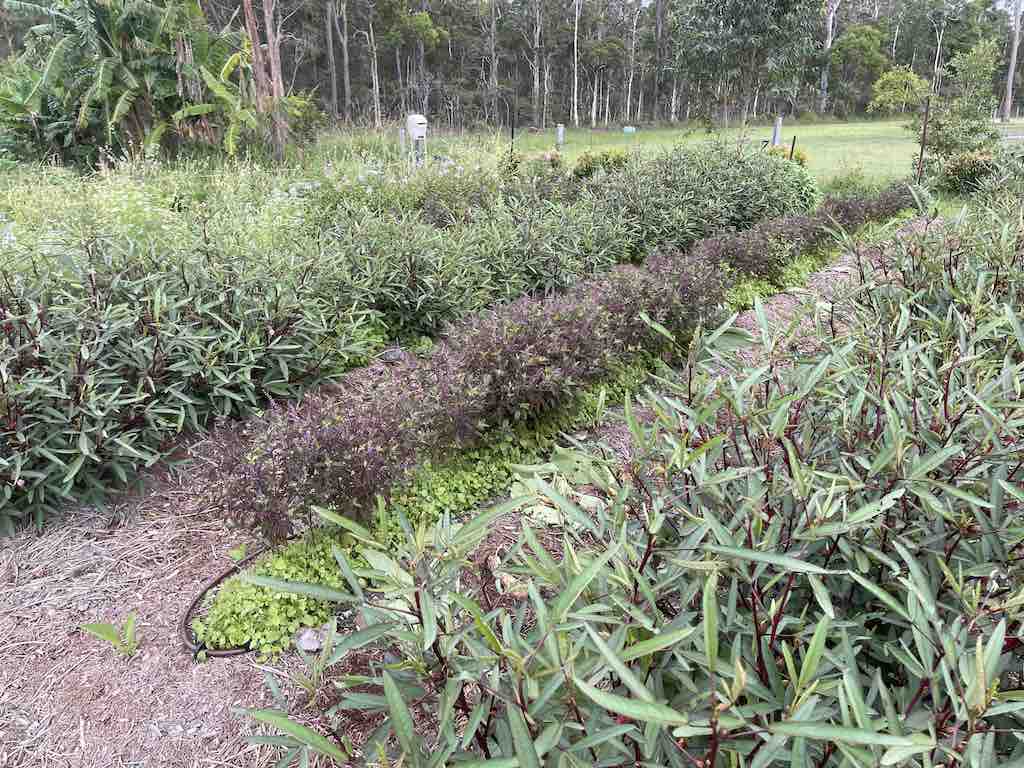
808	562
108	355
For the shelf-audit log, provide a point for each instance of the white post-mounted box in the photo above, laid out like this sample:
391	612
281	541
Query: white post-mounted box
416	127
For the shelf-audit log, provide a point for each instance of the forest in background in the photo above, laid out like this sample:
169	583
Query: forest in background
85	74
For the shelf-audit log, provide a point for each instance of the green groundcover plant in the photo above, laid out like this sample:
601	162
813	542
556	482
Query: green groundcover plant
809	560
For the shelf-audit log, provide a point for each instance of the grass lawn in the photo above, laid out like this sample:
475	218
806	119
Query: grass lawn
882	150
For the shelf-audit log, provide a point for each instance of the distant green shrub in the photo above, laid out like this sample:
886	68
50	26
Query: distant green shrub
963	173
800	156
590	163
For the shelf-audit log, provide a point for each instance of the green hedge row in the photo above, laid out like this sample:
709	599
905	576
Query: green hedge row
120	331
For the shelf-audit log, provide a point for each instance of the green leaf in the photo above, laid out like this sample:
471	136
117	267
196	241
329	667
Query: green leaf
298	588
822	596
526	753
299	732
357	531
106	632
624	673
814	652
709	603
429	618
581	581
642	711
401	718
891	602
657	643
783	562
828	732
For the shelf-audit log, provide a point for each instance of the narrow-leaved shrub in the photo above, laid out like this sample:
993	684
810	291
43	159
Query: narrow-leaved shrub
812	560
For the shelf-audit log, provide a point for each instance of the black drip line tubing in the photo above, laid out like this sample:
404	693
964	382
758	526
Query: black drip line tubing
197	646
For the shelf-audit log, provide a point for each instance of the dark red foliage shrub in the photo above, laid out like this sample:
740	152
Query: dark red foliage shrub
767	247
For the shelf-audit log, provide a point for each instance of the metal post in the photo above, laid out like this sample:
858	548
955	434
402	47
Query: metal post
792	149
924	138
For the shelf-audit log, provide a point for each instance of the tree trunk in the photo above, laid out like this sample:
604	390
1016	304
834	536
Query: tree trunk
940	33
674	104
576	68
279	120
659	47
330	14
493	81
831	7
371	42
535	64
259	66
398	75
345	66
547	91
632	67
267	72
593	101
1016	10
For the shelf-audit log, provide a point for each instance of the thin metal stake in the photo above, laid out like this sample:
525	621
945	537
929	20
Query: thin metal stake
792	149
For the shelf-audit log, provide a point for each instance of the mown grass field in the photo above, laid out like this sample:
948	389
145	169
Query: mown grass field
883	151
880	151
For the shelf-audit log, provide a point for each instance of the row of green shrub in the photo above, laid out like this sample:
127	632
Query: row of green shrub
812	560
150	307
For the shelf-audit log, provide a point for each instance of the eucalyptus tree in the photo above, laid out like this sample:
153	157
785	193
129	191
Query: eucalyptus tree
1016	11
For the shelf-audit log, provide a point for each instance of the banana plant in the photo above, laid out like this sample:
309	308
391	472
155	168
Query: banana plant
228	102
112	66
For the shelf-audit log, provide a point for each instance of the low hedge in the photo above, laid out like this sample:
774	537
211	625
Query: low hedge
244	614
147	311
505	365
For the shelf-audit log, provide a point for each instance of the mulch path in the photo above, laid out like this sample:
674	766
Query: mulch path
68	700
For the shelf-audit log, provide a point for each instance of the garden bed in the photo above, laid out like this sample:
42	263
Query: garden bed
150	558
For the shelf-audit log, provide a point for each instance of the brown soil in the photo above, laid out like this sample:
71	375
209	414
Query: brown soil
68	700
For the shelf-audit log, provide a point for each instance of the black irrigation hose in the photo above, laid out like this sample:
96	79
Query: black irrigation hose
197	646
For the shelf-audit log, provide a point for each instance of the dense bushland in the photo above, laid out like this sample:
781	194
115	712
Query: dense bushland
511	364
814	560
159	300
